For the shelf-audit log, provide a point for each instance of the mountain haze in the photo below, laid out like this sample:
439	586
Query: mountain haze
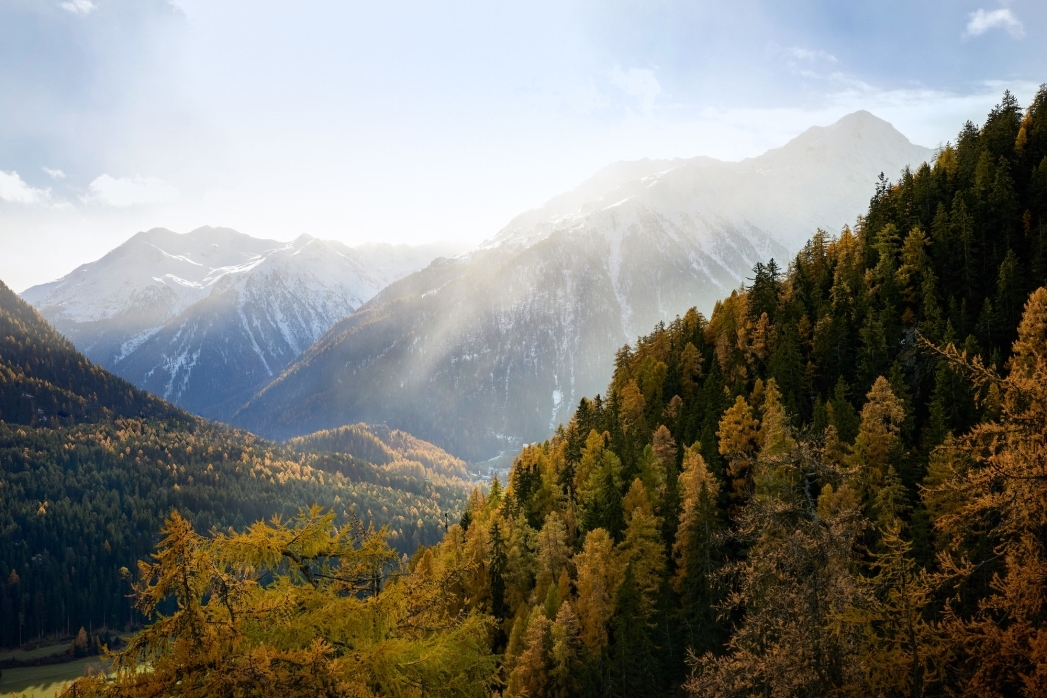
496	347
206	318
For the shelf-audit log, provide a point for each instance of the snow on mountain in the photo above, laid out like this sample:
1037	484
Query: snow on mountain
205	318
768	192
496	347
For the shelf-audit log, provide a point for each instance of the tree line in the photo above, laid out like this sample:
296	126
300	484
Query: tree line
90	467
832	486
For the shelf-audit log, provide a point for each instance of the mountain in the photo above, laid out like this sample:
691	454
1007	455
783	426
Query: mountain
835	482
90	466
206	318
45	381
493	348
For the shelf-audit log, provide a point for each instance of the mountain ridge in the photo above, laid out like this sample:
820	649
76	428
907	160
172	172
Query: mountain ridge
493	349
205	318
91	466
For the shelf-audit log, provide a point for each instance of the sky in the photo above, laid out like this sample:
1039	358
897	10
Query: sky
422	121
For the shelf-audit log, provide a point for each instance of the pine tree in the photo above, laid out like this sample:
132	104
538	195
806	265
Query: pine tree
841	413
307	631
597	586
643	549
878	443
496	570
553	553
690	369
566	671
696	552
601	495
631	407
738	436
634	669
530	676
794	587
1002	494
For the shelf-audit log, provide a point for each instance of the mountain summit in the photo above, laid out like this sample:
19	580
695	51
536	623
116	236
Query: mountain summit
204	319
479	353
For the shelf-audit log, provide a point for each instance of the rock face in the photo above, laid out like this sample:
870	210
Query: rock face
479	353
207	318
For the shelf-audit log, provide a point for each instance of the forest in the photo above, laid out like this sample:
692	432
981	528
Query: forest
832	486
90	467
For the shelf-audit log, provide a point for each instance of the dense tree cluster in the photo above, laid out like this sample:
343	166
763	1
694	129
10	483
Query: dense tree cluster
394	450
833	486
304	608
88	475
45	381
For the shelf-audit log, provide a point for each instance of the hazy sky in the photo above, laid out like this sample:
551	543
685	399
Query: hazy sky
419	121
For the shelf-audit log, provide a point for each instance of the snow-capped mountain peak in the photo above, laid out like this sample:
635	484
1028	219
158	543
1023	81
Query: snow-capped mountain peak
500	346
203	317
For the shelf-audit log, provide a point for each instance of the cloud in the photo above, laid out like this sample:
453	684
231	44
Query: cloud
810	55
14	190
79	7
639	83
982	21
122	192
53	174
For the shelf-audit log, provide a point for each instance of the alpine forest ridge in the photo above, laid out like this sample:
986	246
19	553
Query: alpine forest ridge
91	466
834	485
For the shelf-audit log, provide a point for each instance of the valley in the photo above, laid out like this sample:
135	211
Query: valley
794	482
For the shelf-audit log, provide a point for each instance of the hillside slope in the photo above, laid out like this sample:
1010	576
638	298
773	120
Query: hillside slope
834	485
45	381
494	349
90	466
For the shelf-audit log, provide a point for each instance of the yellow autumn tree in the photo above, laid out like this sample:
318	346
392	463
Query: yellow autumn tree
1000	496
738	440
295	608
631	406
597	584
878	441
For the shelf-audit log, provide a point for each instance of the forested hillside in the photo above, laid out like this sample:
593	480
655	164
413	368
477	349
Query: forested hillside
90	467
395	450
44	381
493	349
834	485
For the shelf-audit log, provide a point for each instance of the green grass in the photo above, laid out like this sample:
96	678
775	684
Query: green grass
43	681
36	653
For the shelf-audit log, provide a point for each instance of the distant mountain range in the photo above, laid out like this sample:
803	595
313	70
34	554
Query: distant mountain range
476	352
481	352
207	318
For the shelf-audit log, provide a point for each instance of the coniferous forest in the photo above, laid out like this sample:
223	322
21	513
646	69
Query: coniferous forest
90	467
834	485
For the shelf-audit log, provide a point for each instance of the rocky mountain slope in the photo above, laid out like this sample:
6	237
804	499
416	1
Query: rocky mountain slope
206	318
481	352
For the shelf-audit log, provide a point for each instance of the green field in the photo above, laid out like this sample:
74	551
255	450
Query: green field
43	681
35	653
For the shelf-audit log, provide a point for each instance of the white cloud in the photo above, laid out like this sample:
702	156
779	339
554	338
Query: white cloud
982	21
14	190
639	83
53	174
130	191
79	7
810	55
